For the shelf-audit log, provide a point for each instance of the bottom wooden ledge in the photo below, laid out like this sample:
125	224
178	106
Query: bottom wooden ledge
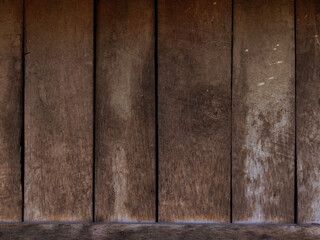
56	231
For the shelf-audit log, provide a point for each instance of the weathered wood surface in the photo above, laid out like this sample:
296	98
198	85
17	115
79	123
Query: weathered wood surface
263	111
308	112
10	109
125	111
194	110
157	231
58	109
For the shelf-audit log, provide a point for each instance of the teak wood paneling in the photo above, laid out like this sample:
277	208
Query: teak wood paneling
125	111
263	111
308	112
176	111
58	110
194	110
10	109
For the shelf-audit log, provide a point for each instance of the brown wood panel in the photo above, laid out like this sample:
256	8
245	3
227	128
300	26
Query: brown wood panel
194	110
157	231
10	109
263	111
125	111
308	112
58	109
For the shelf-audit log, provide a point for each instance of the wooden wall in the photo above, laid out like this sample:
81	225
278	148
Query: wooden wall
170	111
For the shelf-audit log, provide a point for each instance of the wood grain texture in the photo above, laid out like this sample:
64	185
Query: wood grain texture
58	110
157	231
125	111
308	112
194	110
10	109
263	111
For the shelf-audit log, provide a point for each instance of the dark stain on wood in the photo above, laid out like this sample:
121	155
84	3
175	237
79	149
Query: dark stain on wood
157	231
58	110
125	111
308	112
263	111
206	112
194	110
10	109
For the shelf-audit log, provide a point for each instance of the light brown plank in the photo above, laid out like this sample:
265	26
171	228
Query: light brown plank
58	109
157	231
10	109
125	111
308	112
194	110
263	111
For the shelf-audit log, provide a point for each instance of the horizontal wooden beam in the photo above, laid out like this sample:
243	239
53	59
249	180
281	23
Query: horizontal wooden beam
28	231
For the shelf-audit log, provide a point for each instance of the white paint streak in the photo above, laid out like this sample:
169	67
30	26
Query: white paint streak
277	62
256	164
120	173
261	84
119	86
254	169
120	100
270	78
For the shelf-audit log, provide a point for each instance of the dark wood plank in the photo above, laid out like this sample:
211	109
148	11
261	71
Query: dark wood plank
10	109
125	111
58	109
263	111
194	110
157	231
308	112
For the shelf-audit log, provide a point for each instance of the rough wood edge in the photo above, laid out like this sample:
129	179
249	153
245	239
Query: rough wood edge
58	230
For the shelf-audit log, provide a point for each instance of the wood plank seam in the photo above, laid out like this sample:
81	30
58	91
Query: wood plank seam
295	118
94	106
231	75
23	110
156	108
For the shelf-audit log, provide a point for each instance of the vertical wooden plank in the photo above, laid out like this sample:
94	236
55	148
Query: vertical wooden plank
10	109
58	109
194	110
263	111
125	111
308	112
